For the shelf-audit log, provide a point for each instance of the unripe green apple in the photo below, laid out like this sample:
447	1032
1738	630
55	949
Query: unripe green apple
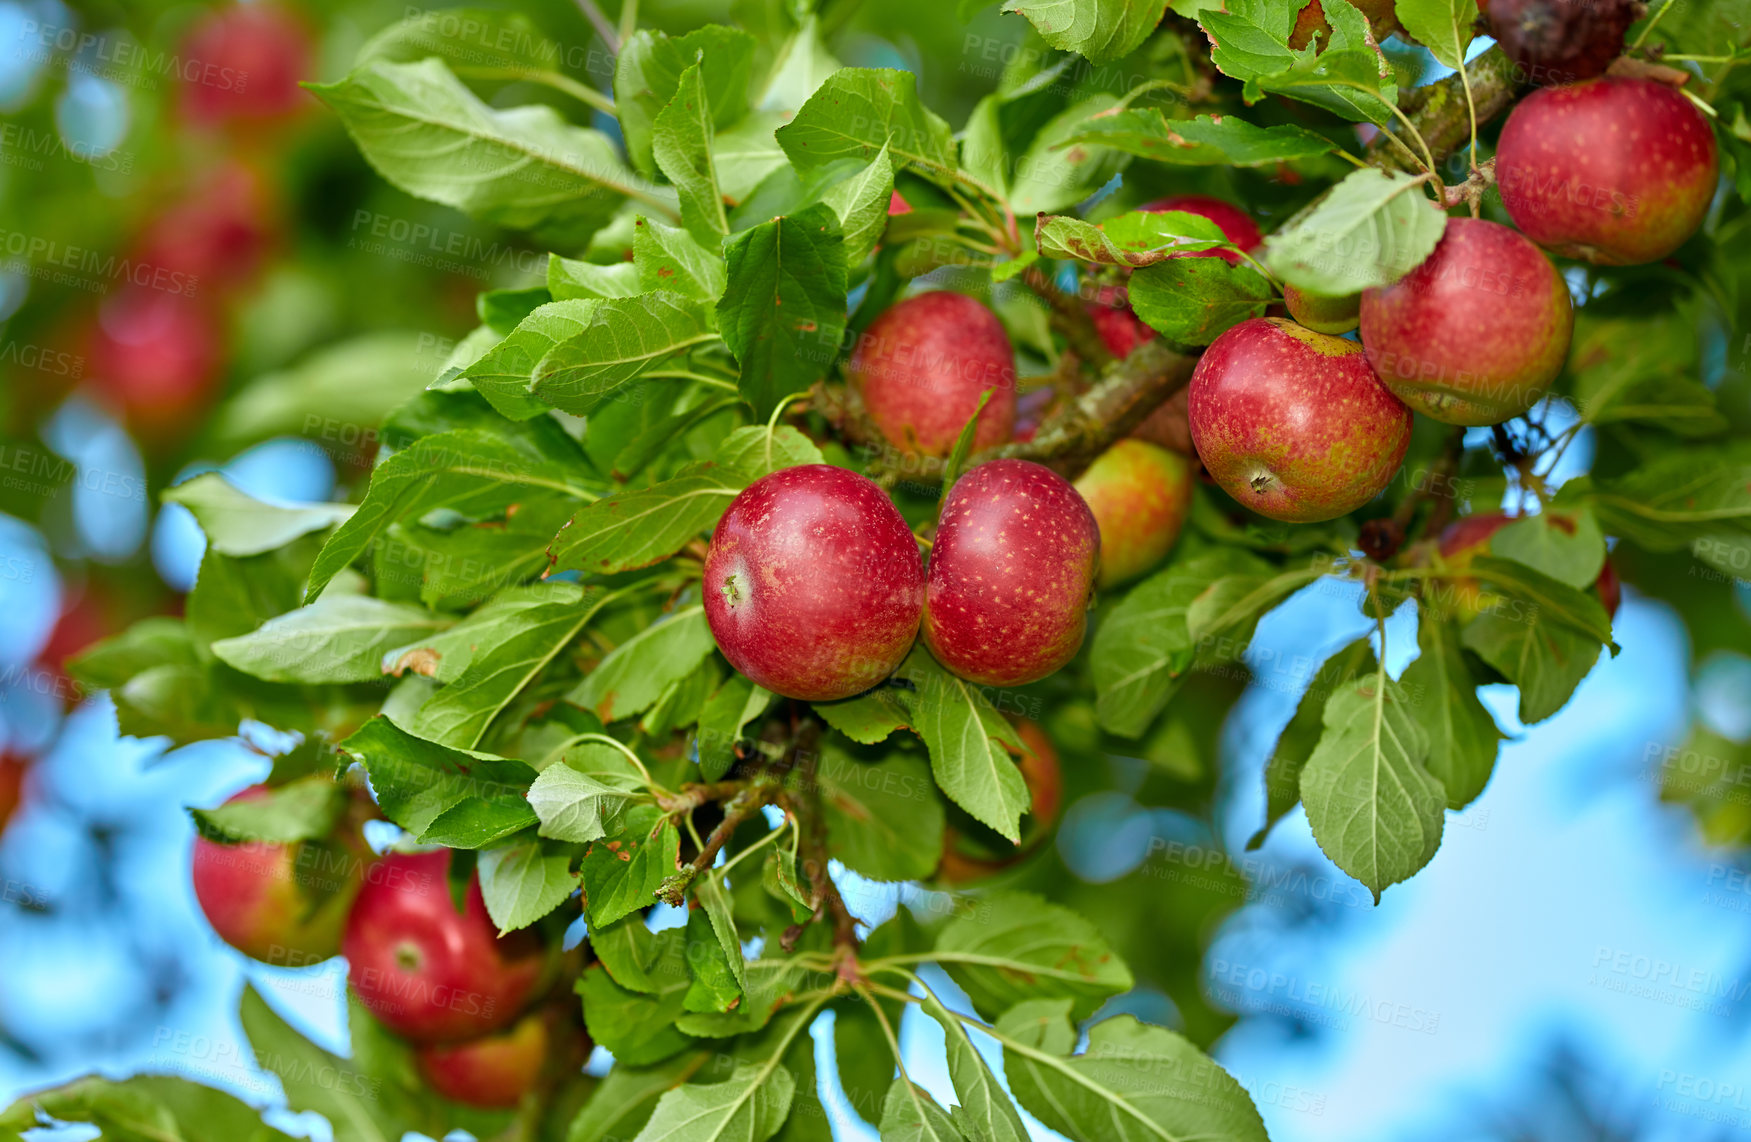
1140	494
1293	423
1477	332
1011	572
1322	314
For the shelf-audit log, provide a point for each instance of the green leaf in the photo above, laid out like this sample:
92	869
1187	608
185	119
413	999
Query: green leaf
669	258
861	202
970	743
639	1029
985	1111
748	1106
648	73
860	111
568	280
909	1114
303	810
681	141
1301	736
465	564
1101	30
1050	176
1140	238
1016	946
1463	737
714	903
149	643
735	704
622	873
523	883
338	638
624	337
868	718
1545	599
1195	300
1565	545
1442	26
1221	620
784	310
1142	648
1208	140
633	529
149	1108
1135	1083
234	595
476	43
1667	501
636	672
525	168
1545	660
459	714
579	798
416	780
503	374
884	820
1374	808
316	1080
622	1102
1644	370
1347	75
355	384
470	472
238	524
1370	230
755	452
957	457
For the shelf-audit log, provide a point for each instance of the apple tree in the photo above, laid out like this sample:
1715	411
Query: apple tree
751	593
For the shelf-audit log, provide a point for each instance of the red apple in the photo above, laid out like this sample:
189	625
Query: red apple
922	365
1561	41
156	355
1011	572
218	236
240	64
813	584
1465	539
1140	494
496	1072
11	786
1293	423
1045	783
279	903
1477	332
428	971
1616	171
1333	315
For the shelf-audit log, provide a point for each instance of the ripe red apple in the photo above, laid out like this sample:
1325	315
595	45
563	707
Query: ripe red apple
922	365
156	355
1140	494
427	971
496	1071
1616	171
1333	315
1561	41
813	584
241	65
961	864
1011	572
11	786
1293	423
279	903
1477	332
1465	539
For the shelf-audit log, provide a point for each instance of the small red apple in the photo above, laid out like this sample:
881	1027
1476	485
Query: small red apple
1140	494
1011	572
1561	41
428	971
279	903
157	355
1465	539
496	1072
1616	171
1293	423
813	584
1477	332
240	64
218	236
922	366
1333	315
1045	783
11	786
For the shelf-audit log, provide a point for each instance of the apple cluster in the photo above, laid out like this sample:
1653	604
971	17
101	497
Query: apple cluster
423	955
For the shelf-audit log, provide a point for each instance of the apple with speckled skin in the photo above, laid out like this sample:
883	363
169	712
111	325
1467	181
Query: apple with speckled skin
1322	314
279	903
1477	332
1561	41
1615	171
429	971
496	1072
813	583
923	364
1011	571
1140	494
963	861
1465	539
1294	424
